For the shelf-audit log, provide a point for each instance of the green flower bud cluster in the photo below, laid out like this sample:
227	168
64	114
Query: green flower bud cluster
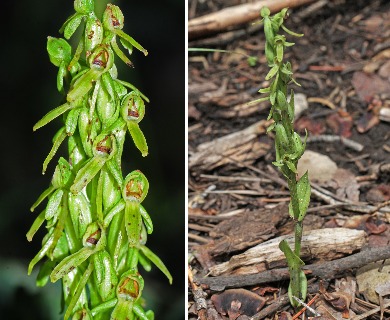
288	144
96	225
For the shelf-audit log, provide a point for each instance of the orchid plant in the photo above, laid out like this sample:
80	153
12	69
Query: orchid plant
289	146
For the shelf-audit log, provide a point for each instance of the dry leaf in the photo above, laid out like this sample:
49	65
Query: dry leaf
236	302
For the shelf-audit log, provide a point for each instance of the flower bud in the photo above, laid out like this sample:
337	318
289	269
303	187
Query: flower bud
103	146
93	34
130	286
133	107
102	58
62	175
94	237
59	50
113	18
136	187
83	6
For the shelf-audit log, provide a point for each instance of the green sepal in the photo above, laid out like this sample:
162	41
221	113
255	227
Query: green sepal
120	53
113	212
93	33
75	298
80	213
105	306
144	262
53	204
63	175
146	219
112	181
83	85
44	273
59	137
138	137
85	130
123	310
105	276
274	70
36	225
268	31
127	45
61	249
291	32
51	115
42	197
62	71
129	39
140	312
71	25
76	152
116	239
45	247
71	121
291	166
133	222
87	173
71	262
156	261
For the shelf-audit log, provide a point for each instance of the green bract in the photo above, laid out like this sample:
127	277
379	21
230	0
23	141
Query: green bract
288	144
96	226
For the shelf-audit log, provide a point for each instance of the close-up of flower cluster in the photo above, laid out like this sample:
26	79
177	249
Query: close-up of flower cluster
96	225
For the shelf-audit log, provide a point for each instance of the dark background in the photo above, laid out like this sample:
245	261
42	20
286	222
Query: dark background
28	91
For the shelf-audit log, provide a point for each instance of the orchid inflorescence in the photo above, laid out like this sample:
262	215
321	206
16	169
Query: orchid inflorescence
288	144
96	225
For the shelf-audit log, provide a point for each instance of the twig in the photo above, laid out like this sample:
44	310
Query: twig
197	238
322	101
281	302
370	312
236	15
307	307
234	178
326	270
199	297
331	138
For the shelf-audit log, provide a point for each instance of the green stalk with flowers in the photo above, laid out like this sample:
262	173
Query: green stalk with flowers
288	144
96	225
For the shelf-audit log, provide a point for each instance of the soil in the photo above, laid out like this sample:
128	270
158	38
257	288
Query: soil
342	66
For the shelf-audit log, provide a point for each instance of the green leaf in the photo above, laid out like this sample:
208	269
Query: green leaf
297	285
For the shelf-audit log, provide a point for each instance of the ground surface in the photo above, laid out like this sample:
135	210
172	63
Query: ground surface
237	200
